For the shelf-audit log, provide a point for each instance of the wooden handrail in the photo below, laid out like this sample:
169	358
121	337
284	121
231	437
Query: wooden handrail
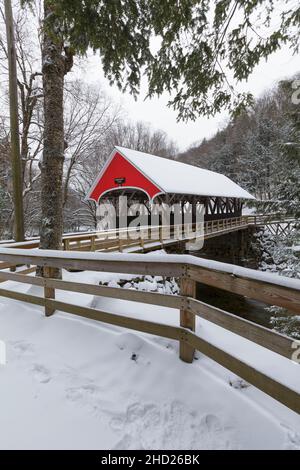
274	289
128	239
72	240
103	239
268	292
267	338
141	241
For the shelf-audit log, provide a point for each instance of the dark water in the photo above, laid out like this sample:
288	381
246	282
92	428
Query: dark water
241	306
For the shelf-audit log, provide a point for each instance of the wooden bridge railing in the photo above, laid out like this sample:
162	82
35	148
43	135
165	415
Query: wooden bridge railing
264	219
146	238
109	239
271	289
85	240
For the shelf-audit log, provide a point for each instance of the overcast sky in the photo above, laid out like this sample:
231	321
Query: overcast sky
155	111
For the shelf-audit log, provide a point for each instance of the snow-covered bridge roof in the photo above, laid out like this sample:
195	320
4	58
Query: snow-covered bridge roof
154	175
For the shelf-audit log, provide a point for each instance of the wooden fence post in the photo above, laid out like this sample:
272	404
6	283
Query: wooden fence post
66	243
120	244
187	318
49	292
160	234
142	241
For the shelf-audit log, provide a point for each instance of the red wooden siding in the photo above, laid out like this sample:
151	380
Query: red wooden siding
119	167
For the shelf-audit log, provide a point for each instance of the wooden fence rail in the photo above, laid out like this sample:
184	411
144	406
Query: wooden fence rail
151	238
269	288
108	240
143	240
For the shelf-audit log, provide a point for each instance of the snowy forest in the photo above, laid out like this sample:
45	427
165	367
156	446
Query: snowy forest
260	150
161	334
92	121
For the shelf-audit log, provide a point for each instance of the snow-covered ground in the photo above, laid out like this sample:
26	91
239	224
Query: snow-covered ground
75	383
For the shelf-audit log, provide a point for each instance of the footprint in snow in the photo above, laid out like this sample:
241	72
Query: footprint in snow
22	348
81	393
211	423
88	396
171	426
128	443
40	373
292	439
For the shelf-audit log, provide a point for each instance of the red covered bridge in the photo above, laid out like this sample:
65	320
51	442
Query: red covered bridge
146	178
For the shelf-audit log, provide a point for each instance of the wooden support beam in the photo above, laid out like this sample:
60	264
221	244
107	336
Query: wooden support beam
160	234
120	244
49	292
93	243
66	242
187	318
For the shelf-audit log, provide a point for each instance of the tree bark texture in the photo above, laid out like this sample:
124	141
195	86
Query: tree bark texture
53	69
14	126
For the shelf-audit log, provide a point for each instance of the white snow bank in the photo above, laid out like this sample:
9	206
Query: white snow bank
79	384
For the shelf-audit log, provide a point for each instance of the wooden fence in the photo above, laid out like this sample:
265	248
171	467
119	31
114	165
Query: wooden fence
189	270
142	239
153	237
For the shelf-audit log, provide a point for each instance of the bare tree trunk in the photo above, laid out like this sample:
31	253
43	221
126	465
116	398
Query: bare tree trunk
14	126
67	181
57	60
53	152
